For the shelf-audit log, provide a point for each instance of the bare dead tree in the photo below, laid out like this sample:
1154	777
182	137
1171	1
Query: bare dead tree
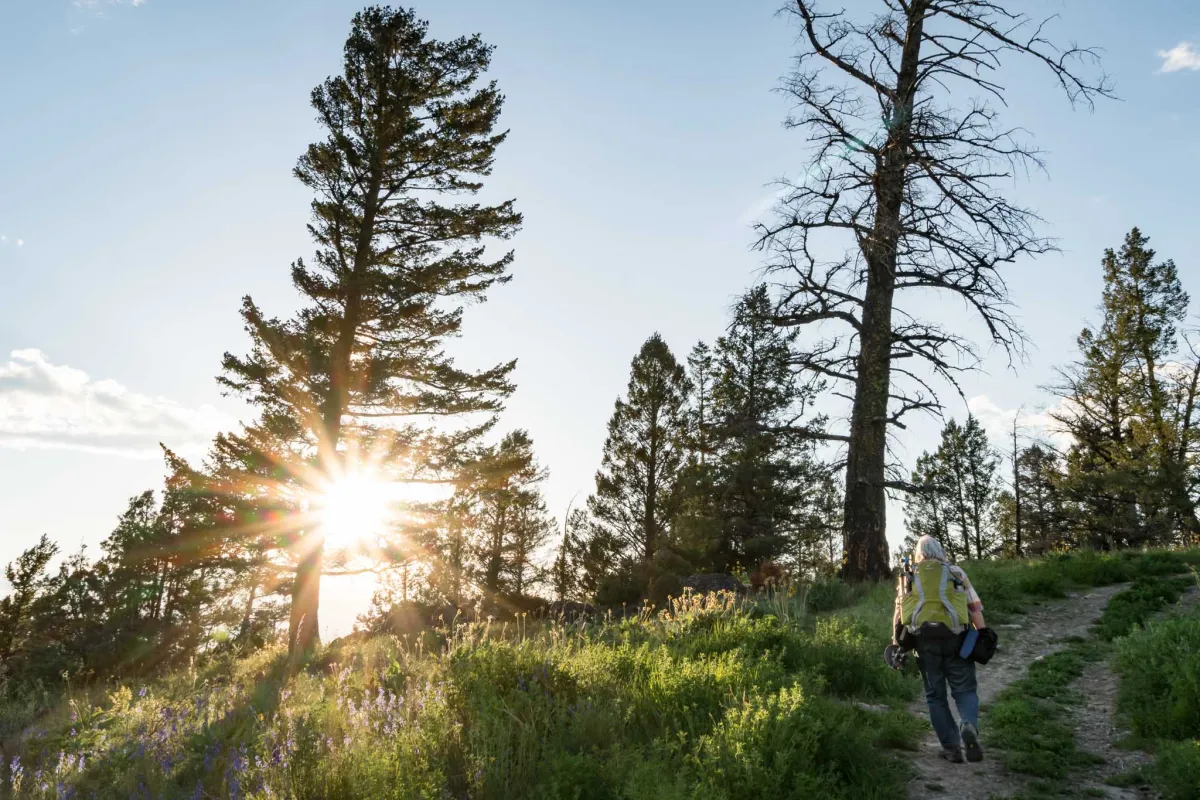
903	183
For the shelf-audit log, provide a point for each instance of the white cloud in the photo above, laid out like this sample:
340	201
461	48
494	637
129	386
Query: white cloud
755	212
997	422
48	406
20	242
1180	57
97	7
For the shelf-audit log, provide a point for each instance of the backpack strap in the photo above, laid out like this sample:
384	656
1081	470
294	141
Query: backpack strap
919	589
954	621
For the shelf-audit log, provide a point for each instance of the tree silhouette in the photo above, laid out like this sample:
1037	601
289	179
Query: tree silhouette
361	369
904	184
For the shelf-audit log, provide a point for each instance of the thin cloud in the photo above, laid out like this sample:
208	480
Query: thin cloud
1180	57
754	212
56	407
20	242
97	8
97	5
997	423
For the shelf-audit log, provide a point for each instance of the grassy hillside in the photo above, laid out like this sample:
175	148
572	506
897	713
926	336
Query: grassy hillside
712	698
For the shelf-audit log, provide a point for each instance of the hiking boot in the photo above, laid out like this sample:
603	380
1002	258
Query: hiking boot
970	737
952	753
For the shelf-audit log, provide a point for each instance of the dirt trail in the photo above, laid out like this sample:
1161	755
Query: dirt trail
1097	730
1038	633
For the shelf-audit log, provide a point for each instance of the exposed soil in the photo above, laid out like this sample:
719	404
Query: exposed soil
1037	634
1098	730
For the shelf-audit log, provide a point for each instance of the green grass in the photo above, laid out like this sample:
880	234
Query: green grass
1159	695
724	700
1028	721
1008	587
1137	604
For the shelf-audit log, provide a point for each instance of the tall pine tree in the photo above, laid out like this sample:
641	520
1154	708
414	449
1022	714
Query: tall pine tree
636	499
1128	411
361	368
764	471
957	486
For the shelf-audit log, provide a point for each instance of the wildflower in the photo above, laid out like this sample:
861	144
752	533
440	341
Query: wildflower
16	772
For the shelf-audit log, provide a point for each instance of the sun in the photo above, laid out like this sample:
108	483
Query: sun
355	509
360	508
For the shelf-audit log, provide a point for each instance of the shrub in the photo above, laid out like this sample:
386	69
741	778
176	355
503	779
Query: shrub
1177	771
846	657
663	588
1134	606
787	745
830	594
1160	679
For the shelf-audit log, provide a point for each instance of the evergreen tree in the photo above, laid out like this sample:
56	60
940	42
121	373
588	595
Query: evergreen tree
408	123
817	542
972	468
763	472
564	576
927	510
696	534
1003	519
1126	473
635	499
956	488
26	579
484	539
598	553
1043	515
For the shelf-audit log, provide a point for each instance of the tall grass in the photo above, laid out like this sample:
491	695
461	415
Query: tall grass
714	696
1159	695
706	699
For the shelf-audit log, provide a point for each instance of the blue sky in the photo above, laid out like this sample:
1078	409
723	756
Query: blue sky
145	186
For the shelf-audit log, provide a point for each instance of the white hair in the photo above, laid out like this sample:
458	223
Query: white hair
928	548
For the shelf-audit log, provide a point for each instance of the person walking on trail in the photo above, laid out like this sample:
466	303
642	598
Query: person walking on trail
934	603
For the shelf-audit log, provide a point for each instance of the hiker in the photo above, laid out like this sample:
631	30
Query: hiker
934	602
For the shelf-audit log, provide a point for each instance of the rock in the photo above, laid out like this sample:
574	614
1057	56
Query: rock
871	707
713	582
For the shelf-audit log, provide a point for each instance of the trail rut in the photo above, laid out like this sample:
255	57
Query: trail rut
1038	633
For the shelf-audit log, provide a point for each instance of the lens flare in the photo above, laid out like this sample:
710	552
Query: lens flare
355	509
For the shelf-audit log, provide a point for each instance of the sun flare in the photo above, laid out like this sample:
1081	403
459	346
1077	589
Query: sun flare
355	509
358	509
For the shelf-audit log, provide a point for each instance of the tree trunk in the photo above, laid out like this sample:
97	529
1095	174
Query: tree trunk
248	614
303	634
303	626
650	511
1016	488
865	524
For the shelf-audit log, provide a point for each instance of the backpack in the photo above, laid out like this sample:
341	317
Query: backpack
933	595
